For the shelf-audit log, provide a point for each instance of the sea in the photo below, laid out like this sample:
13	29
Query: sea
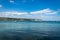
26	30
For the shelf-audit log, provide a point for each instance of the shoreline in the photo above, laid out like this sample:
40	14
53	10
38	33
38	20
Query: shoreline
23	19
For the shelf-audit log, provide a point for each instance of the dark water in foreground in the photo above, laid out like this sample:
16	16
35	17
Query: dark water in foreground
29	31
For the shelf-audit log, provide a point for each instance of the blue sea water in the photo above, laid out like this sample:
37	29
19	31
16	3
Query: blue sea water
29	30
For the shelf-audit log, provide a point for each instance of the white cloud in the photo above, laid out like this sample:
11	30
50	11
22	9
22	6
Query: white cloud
11	1
20	13
0	6
13	13
44	11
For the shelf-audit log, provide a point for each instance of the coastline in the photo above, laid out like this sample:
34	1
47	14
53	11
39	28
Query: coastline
25	19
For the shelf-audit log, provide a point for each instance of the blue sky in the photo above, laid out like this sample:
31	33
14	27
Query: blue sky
41	9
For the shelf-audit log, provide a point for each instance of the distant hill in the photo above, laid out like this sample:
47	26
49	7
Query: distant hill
26	19
19	19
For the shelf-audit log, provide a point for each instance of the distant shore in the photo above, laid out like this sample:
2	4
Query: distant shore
19	19
24	19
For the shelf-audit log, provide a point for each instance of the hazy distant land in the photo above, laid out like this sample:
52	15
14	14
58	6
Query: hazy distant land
24	19
19	19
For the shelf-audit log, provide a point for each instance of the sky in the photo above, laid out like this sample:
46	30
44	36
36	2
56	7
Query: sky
38	9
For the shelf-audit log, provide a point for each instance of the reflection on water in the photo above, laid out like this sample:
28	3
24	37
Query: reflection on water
29	31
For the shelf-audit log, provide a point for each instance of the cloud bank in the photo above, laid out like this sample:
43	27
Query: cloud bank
45	14
13	13
44	11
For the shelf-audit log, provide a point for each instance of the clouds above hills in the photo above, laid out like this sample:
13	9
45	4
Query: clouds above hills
12	13
45	14
44	11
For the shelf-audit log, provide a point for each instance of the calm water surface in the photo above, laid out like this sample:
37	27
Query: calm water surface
29	31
